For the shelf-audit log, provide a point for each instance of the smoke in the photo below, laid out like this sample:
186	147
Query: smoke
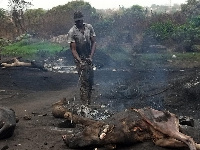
119	87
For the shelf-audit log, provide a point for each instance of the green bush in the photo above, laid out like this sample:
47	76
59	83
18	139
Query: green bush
195	48
4	42
161	30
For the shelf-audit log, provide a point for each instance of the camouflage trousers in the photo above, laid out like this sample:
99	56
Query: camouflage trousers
86	75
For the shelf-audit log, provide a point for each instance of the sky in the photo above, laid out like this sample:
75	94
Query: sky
98	4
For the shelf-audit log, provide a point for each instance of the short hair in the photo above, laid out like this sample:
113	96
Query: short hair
78	16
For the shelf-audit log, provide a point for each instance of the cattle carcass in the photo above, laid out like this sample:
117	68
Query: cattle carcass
7	122
127	127
15	62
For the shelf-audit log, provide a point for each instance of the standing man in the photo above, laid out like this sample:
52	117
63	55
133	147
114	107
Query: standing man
81	38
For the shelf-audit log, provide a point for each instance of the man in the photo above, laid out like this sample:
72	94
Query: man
81	38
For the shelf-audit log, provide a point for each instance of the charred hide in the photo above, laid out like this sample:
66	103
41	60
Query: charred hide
7	122
127	127
15	62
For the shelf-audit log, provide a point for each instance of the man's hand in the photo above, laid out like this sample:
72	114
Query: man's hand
82	64
89	61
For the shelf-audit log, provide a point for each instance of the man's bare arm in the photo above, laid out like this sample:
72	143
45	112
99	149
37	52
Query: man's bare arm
74	52
93	42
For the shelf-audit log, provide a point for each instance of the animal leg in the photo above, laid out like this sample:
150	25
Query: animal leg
170	142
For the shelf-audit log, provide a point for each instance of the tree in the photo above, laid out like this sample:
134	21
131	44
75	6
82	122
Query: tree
33	19
58	20
2	13
127	24
17	11
191	9
6	27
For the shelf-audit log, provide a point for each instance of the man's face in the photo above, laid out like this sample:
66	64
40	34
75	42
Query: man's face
79	23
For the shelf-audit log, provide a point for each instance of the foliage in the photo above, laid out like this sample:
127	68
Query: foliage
156	60
135	10
6	26
159	9
17	10
185	35
134	28
104	27
191	8
28	48
161	30
152	57
122	26
58	20
4	42
19	4
34	14
195	21
2	13
188	34
33	19
195	48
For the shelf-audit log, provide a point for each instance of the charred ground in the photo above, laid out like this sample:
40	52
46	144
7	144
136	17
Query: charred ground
31	93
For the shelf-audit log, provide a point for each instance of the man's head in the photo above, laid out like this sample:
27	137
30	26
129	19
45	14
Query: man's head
78	18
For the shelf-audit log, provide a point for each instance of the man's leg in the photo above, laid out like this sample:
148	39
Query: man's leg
81	73
85	84
86	75
90	80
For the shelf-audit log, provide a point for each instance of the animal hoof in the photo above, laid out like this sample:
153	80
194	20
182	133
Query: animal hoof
64	137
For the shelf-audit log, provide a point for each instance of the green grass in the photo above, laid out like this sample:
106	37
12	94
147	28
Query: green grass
155	57
168	56
35	48
26	48
120	56
153	60
188	56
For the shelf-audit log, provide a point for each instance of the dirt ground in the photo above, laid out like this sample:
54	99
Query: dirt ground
31	93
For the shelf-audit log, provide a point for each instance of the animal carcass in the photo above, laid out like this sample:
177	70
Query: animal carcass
7	122
128	127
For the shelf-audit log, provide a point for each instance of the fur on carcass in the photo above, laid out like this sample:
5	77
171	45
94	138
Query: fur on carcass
15	62
128	127
8	122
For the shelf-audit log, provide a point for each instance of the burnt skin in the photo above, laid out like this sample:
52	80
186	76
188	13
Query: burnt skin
7	122
129	127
